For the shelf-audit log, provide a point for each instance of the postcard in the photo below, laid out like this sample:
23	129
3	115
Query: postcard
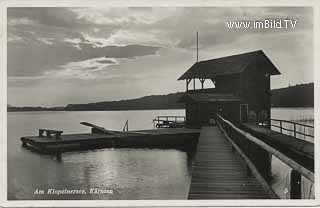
159	103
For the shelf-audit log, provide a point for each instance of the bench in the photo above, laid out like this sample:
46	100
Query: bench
49	132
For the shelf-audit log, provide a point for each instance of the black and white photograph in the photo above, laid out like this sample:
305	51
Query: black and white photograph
150	102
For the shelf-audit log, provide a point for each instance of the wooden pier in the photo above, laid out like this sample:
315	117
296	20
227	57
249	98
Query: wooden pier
220	173
234	162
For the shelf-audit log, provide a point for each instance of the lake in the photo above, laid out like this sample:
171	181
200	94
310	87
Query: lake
129	173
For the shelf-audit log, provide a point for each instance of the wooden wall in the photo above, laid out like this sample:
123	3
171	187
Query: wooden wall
255	89
199	114
228	84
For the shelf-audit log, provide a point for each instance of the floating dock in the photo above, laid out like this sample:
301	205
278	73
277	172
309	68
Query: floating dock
178	138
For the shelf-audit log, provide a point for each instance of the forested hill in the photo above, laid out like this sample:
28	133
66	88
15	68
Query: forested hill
145	103
293	96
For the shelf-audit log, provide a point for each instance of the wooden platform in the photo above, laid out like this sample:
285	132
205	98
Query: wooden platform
219	173
153	138
298	150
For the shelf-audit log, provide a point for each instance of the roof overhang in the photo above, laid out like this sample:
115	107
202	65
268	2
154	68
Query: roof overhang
234	64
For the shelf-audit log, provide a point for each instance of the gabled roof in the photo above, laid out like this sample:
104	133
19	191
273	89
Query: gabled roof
230	65
208	97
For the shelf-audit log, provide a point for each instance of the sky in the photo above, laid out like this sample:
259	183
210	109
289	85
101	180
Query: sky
58	55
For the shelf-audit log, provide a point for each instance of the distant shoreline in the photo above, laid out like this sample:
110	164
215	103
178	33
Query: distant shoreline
93	110
132	110
290	97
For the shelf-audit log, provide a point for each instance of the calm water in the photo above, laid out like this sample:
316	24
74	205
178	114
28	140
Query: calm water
130	173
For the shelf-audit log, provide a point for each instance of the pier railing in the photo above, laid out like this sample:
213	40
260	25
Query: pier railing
297	130
169	121
257	154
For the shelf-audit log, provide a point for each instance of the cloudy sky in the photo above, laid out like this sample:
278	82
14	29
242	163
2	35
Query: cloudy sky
58	56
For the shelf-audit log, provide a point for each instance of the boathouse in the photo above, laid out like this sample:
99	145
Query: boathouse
240	92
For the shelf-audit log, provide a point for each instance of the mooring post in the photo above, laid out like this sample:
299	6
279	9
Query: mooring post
40	132
58	156
24	144
295	185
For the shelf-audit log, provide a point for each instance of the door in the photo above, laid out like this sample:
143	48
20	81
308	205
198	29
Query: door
243	112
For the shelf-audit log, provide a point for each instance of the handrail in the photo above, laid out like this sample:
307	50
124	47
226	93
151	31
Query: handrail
295	129
171	117
169	121
294	165
300	124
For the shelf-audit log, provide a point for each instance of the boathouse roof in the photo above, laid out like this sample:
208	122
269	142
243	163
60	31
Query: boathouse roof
208	97
234	64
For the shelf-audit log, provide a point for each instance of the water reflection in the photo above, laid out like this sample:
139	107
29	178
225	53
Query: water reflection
129	173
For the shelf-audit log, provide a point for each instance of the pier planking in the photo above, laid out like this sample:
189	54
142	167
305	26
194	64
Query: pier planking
219	173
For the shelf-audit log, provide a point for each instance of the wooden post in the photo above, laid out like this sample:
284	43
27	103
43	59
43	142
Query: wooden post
295	185
158	122
187	83
202	81
58	135
197	48
194	84
280	126
58	155
294	130
24	144
40	132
